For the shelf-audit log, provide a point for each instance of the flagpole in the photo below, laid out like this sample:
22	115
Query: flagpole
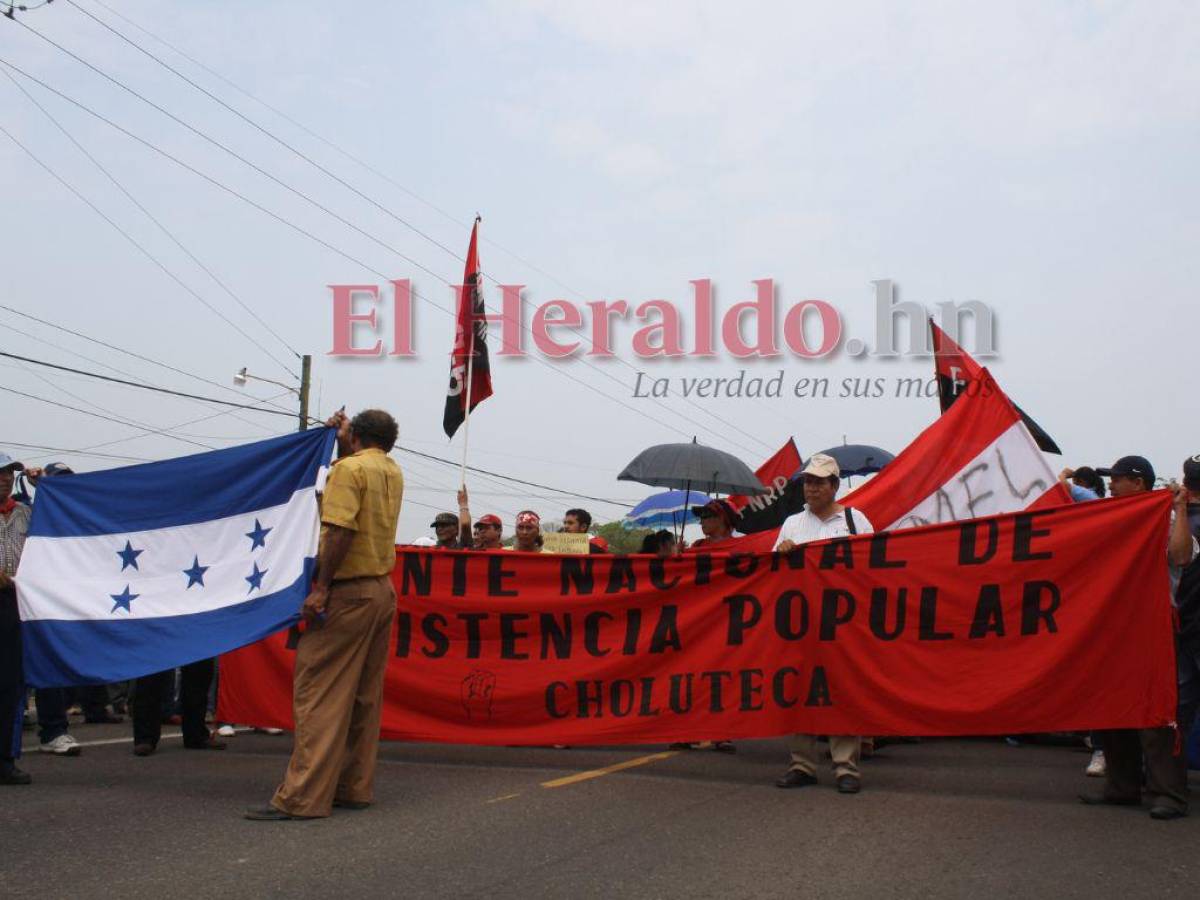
462	475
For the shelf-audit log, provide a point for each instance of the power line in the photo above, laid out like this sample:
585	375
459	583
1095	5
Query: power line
130	353
544	487
295	191
265	131
314	237
132	240
161	227
169	428
46	381
242	159
33	337
78	452
96	415
146	387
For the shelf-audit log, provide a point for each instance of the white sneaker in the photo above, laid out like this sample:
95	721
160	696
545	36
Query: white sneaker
1096	768
226	731
63	745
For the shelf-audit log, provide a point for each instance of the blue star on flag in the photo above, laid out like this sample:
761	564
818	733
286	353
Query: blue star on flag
255	578
258	537
129	556
196	573
123	599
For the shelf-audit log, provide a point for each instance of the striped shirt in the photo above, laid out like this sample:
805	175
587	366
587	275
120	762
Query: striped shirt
13	529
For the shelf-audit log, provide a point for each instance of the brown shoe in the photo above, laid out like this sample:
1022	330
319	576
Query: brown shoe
143	749
351	804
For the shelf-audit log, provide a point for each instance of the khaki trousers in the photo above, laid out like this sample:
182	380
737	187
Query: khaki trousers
337	699
843	748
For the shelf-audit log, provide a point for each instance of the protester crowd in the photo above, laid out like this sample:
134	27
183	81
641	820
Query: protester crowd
341	655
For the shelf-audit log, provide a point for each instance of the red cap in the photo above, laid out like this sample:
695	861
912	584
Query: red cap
489	519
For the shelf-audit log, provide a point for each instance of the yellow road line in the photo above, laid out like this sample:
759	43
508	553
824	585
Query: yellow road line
607	770
505	797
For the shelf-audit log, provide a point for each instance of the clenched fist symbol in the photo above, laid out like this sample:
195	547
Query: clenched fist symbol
477	689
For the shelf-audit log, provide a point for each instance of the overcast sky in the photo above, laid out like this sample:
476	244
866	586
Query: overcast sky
1037	157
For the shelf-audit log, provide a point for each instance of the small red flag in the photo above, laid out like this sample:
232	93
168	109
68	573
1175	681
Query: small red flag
956	371
470	345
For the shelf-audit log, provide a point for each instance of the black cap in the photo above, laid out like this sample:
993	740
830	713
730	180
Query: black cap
1136	466
1191	472
444	519
58	468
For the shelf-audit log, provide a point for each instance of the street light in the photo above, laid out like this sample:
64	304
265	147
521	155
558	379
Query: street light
241	376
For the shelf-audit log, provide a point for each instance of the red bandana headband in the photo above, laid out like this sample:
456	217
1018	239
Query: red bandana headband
529	518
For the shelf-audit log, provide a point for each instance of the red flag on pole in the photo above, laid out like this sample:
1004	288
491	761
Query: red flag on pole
470	372
956	371
785	492
979	459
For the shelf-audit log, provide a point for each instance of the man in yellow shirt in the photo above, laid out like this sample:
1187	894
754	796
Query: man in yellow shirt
342	655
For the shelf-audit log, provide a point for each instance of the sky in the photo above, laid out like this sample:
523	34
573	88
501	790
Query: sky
1038	158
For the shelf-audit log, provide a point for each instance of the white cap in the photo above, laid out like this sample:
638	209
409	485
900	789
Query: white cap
823	466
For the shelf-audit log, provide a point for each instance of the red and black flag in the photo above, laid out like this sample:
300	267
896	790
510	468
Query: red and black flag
470	352
785	494
956	371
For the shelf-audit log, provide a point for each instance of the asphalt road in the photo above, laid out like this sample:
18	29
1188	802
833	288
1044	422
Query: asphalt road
938	819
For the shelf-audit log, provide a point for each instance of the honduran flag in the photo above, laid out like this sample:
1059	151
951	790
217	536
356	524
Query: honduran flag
139	569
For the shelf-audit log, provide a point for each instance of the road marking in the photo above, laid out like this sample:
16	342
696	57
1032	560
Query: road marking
608	770
125	740
505	797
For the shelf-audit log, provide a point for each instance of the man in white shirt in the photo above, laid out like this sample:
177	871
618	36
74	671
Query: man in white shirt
823	517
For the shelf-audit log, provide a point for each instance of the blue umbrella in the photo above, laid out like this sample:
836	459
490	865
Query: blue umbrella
670	509
859	459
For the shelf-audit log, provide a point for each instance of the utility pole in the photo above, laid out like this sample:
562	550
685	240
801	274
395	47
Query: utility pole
305	381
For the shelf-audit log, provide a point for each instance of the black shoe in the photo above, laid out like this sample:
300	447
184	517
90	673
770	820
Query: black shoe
1106	800
1166	813
724	747
681	745
143	749
351	804
211	744
848	784
10	774
795	779
104	719
269	814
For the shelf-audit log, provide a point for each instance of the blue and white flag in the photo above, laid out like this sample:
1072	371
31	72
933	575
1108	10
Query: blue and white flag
143	568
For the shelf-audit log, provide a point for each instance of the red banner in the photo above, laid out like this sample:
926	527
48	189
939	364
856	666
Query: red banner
1046	620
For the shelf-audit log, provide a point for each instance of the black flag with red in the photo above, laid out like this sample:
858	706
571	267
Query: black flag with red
470	345
955	370
785	494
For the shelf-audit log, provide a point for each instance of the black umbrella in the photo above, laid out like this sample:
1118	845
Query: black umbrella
692	467
859	459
